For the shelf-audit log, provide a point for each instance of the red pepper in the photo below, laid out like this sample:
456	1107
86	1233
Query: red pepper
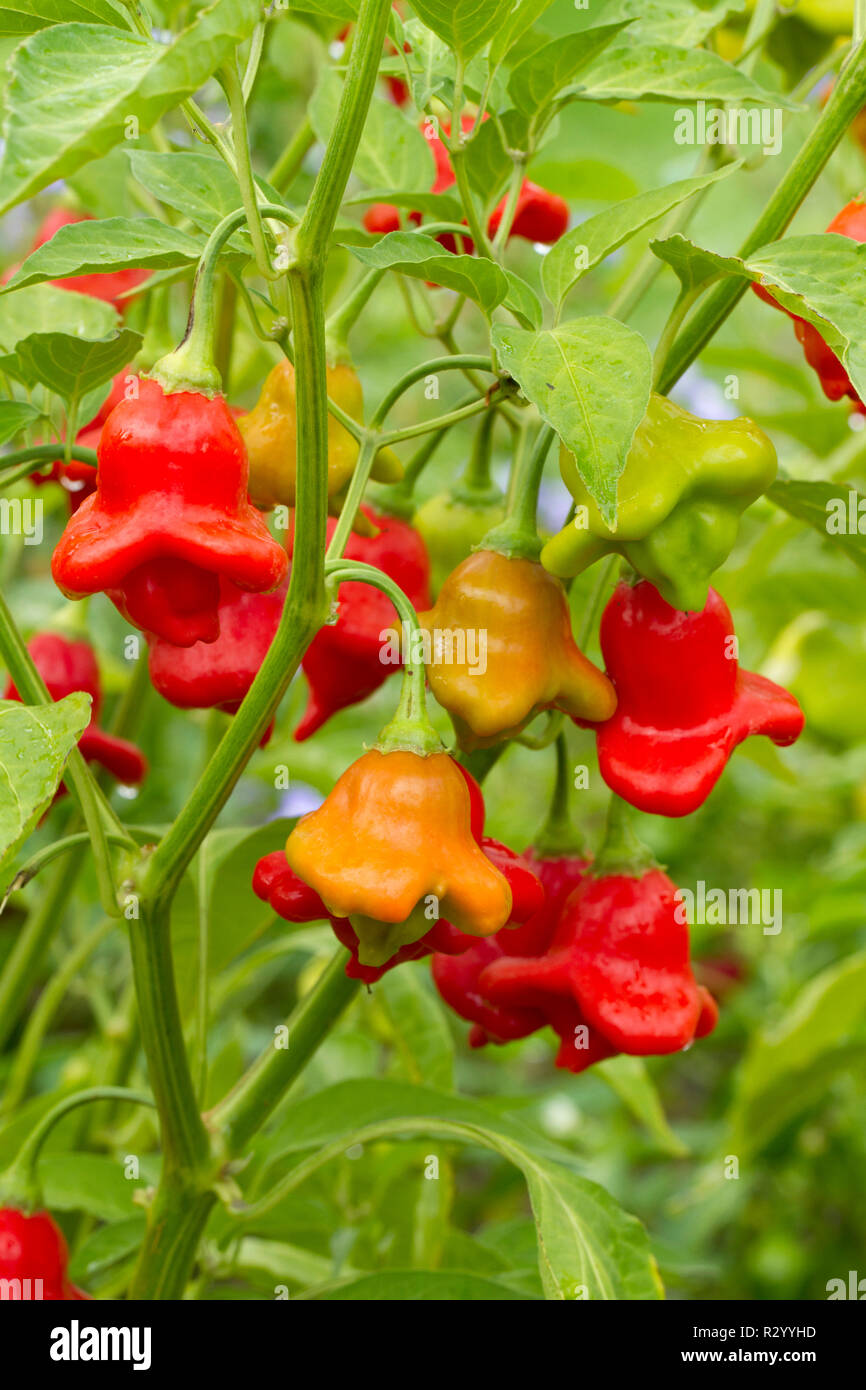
79	479
217	675
683	704
616	976
69	666
835	381
108	285
170	518
343	663
32	1248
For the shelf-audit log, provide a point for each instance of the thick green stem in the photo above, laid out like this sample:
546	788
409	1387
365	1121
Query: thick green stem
518	534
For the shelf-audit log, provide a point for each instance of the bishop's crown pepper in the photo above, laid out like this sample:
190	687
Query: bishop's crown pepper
683	703
685	484
270	434
66	667
170	517
501	649
33	1254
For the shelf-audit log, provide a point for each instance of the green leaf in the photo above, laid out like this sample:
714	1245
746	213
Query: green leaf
195	184
587	1245
488	163
590	379
106	1248
790	1065
15	416
392	153
465	25
106	78
285	1263
632	70
431	63
817	503
87	1183
73	366
419	1286
693	266
440	207
29	16
629	1078
421	1036
46	309
522	301
35	741
537	81
681	22
420	256
588	244
117	243
522	16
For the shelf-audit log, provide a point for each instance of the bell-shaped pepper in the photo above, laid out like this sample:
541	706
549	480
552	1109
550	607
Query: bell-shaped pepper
32	1249
170	517
79	479
685	484
619	959
217	675
501	649
392	849
292	899
65	668
270	434
344	662
457	976
683	704
835	381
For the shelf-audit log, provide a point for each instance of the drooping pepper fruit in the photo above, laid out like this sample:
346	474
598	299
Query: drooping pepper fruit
501	650
79	479
392	848
34	1257
65	668
217	675
683	704
456	976
270	434
170	517
108	285
835	381
619	963
685	484
347	660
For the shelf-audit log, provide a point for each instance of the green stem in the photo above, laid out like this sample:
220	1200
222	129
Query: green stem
282	175
349	511
476	477
44	453
340	323
256	1096
46	856
504	228
558	835
439	422
666	338
517	535
847	99
455	362
43	922
458	162
231	82
622	853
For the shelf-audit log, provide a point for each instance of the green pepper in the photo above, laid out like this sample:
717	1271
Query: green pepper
454	523
685	484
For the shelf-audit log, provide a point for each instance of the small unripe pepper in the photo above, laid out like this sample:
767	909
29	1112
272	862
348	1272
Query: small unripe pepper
531	661
453	523
270	434
685	484
170	517
344	662
683	704
32	1248
67	667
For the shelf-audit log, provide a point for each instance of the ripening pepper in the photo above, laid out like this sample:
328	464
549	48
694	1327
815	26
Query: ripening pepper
170	517
392	848
456	976
345	661
217	675
32	1249
835	381
683	704
685	484
619	963
108	286
292	899
270	434
65	668
453	523
79	479
501	649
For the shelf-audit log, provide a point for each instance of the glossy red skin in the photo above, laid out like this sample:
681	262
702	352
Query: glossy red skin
108	286
620	959
835	381
683	705
342	663
457	980
66	667
217	675
79	479
32	1247
169	518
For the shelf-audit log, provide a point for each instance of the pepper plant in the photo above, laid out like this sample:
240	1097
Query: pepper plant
393	464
